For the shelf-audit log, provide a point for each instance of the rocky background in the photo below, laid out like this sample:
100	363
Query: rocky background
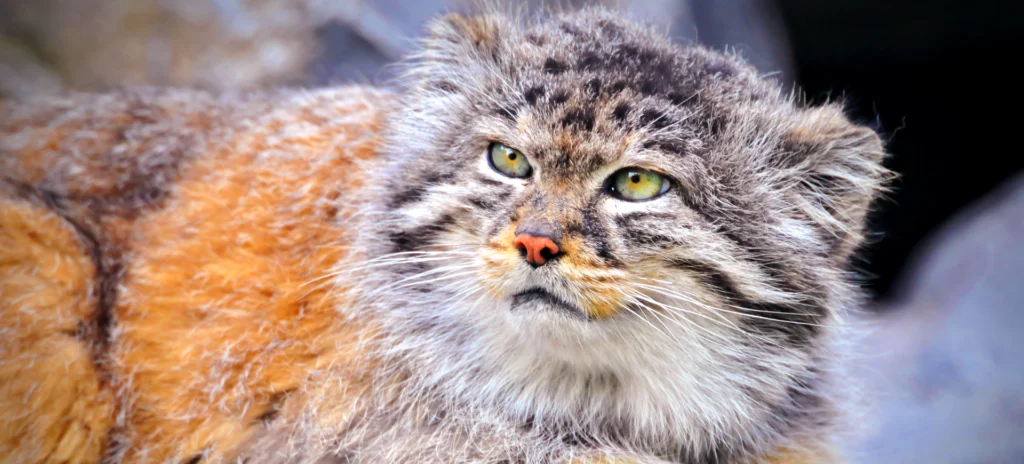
945	365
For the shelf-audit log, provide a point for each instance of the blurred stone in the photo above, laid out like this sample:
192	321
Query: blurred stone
945	365
22	74
214	44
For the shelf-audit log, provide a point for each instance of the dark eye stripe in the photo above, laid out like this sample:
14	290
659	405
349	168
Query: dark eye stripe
780	277
490	182
645	236
636	227
417	237
415	193
482	202
639	216
597	235
404	197
796	321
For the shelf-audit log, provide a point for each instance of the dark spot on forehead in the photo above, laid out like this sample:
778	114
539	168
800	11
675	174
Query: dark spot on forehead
667	146
616	87
582	118
560	157
533	93
609	28
654	85
672	146
655	118
553	66
508	112
716	124
653	63
677	98
664	65
594	87
621	112
633	52
589	61
559	97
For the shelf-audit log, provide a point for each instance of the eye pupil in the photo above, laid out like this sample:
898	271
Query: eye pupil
508	161
637	184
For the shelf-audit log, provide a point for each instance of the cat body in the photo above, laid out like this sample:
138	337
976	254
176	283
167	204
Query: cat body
460	270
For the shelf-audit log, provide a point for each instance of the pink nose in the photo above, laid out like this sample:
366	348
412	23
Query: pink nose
538	249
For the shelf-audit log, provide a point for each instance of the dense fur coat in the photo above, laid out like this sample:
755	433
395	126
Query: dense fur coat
332	276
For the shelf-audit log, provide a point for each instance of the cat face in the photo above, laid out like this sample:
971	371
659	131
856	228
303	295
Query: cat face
582	180
580	221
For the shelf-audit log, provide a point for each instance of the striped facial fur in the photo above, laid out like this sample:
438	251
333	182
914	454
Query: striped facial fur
696	318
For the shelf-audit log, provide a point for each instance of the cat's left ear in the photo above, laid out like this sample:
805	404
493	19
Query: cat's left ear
453	38
839	173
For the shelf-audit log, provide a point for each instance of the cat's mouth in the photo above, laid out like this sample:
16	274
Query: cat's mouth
540	299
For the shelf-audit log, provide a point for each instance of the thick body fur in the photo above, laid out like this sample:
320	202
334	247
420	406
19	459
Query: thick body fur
330	275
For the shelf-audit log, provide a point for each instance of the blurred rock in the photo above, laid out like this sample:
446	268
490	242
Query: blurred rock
214	44
946	361
22	74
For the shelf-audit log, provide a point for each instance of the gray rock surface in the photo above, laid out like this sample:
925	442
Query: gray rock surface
946	364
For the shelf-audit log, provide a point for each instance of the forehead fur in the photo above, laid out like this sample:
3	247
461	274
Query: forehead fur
586	86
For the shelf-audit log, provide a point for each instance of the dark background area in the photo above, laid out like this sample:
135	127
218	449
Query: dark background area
936	79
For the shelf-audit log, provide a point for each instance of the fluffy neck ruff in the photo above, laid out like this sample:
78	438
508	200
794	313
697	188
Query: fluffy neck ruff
620	382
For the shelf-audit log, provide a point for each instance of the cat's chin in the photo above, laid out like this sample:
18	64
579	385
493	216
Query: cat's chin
538	302
552	329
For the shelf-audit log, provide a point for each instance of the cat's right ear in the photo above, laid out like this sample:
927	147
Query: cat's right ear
840	172
454	38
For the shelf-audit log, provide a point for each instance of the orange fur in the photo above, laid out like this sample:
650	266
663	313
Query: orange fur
53	405
220	314
225	290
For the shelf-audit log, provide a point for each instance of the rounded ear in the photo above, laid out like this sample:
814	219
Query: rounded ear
454	37
839	173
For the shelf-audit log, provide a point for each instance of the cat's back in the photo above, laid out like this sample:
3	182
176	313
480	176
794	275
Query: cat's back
162	256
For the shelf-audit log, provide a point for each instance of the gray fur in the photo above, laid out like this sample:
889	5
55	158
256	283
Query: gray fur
729	345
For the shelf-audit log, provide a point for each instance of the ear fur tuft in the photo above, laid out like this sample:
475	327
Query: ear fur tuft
839	169
453	34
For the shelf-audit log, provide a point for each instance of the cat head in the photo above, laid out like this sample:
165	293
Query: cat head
581	192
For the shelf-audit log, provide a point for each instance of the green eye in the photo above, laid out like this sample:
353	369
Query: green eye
634	184
509	161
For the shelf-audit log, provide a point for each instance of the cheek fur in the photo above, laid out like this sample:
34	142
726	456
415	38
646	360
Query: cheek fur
499	259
